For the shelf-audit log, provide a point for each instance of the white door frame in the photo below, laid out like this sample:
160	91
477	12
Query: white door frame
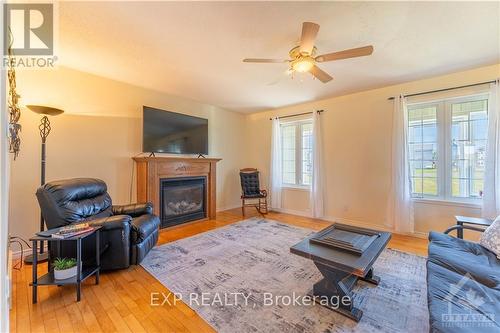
4	195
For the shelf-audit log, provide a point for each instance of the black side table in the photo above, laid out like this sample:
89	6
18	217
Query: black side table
82	272
477	221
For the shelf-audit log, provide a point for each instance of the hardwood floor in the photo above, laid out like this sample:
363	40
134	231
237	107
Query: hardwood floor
121	302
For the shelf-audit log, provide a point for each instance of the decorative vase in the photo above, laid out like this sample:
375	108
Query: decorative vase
65	273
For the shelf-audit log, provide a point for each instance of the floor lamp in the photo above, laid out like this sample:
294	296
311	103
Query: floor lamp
44	128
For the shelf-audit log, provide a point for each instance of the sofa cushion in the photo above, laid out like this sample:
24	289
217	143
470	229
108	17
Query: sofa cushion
250	184
459	303
462	257
490	238
143	226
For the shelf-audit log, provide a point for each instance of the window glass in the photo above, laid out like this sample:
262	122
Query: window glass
297	153
307	154
447	147
468	145
288	143
423	152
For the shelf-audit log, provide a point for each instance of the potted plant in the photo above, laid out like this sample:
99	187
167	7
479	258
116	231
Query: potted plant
64	268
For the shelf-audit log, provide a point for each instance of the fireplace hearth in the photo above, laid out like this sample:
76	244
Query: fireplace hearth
182	199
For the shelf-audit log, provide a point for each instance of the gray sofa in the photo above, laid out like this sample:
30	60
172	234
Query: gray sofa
463	286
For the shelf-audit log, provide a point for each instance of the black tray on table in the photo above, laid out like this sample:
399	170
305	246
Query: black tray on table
345	237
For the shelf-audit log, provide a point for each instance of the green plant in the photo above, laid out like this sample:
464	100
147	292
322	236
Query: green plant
64	263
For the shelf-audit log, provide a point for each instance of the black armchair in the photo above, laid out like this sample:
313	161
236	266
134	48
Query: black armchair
250	190
128	233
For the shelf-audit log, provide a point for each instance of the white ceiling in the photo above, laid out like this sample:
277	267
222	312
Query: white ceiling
194	49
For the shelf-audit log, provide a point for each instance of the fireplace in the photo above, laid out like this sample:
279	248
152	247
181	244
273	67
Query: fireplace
182	200
152	170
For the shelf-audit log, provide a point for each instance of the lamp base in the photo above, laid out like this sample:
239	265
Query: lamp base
41	257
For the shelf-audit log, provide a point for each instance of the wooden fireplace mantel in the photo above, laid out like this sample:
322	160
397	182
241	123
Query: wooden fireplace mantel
150	171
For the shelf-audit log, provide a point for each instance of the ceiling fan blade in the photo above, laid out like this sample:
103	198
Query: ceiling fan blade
309	33
270	61
351	53
320	74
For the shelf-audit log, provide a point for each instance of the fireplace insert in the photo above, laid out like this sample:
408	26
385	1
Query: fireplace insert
182	200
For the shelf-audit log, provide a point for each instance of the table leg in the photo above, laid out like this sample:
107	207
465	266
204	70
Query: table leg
370	277
59	254
78	269
460	231
34	270
334	292
49	263
97	255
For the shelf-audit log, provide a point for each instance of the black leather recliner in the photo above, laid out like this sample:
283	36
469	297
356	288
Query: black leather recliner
128	232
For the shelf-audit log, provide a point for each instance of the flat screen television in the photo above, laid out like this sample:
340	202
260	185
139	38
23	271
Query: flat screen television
173	133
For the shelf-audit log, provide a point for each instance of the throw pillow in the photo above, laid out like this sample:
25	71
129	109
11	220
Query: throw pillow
490	238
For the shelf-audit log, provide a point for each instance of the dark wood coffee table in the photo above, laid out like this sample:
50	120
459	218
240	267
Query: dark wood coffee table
341	269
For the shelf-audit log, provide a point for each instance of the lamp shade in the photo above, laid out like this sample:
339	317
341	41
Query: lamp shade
47	110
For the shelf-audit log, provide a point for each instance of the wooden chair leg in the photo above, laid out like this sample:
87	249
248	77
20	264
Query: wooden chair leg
243	207
262	207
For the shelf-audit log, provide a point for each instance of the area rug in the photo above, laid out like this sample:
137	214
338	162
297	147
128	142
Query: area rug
250	264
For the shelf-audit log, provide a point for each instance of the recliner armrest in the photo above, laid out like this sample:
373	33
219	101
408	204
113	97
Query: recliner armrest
112	222
133	210
143	226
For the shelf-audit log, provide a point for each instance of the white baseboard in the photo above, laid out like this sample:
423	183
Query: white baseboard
359	223
291	211
382	227
17	254
221	209
420	234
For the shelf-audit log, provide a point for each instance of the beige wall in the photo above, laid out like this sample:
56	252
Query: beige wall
357	148
99	133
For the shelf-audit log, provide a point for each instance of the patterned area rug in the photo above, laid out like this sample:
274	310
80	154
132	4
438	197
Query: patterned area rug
250	263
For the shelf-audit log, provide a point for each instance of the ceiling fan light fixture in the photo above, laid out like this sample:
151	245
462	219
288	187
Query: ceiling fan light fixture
303	58
303	65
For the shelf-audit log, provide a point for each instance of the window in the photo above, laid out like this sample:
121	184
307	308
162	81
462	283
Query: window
422	152
446	148
296	138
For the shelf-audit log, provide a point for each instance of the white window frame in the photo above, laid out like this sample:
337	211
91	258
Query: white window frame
298	153
444	161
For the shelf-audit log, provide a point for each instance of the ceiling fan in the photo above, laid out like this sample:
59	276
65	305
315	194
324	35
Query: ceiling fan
303	58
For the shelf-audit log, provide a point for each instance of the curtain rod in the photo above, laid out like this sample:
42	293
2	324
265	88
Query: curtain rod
296	115
445	89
